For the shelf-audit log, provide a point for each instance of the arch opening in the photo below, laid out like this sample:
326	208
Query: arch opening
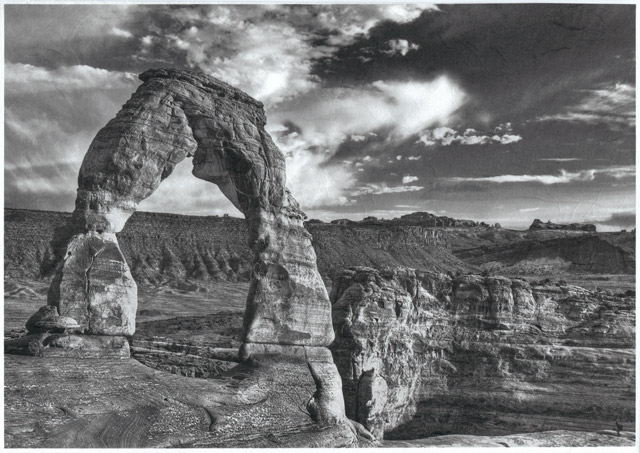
181	193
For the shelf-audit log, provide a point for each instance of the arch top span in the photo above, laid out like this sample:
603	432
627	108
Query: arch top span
176	114
173	115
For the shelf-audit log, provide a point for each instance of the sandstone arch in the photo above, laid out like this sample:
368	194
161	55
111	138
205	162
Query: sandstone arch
176	114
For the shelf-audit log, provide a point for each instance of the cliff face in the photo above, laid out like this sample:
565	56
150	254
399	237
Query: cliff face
539	225
158	247
421	354
340	246
540	252
581	253
181	250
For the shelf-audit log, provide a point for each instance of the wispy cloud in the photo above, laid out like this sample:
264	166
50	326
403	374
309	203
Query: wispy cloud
564	177
311	128
561	159
22	78
379	189
613	104
115	31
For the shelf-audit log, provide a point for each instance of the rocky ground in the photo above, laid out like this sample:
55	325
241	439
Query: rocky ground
64	403
552	351
530	440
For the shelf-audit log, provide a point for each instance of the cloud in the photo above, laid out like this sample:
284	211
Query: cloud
445	136
266	50
51	115
626	219
22	78
408	179
528	209
406	12
565	177
380	189
270	61
345	23
399	46
329	116
561	159
312	181
612	104
115	31
506	139
310	128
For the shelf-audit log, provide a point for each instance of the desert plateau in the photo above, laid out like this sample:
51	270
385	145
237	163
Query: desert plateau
319	226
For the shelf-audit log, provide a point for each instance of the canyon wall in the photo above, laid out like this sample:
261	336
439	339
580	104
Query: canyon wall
421	353
171	249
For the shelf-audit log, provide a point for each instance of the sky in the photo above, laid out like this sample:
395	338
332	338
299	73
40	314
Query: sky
497	113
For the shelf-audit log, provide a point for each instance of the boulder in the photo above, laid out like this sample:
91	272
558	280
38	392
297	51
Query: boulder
45	312
56	323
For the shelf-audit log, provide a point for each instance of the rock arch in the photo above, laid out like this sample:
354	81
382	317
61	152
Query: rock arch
176	114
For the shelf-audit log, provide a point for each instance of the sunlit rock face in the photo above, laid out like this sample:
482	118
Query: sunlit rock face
94	286
174	115
423	353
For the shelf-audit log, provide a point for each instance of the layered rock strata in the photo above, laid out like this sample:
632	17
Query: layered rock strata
421	353
181	251
539	225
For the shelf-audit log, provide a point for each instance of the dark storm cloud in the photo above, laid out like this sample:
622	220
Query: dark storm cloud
517	60
620	219
109	37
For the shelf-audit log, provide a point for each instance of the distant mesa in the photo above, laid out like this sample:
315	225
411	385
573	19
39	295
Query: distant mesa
342	222
424	219
428	219
540	225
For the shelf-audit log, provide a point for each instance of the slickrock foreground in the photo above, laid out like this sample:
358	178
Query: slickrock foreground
422	354
106	403
545	439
